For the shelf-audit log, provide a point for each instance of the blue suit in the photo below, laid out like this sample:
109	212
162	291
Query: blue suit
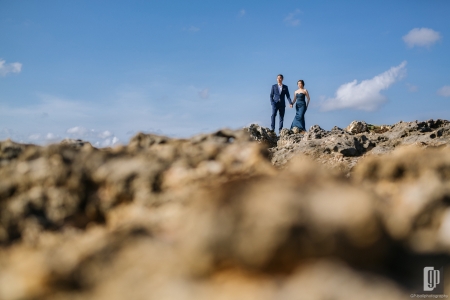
278	102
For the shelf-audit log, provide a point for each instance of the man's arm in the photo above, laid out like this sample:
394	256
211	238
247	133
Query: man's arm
288	96
271	95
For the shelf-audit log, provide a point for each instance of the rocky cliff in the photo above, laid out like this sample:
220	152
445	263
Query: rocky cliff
352	213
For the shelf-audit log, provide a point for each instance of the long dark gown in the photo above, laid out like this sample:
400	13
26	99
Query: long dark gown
300	107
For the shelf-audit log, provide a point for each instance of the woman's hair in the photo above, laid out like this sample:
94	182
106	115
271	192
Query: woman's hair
301	80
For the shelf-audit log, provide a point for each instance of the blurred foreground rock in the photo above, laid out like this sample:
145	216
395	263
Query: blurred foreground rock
211	217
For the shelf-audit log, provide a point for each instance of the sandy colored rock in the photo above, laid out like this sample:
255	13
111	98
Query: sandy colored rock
415	187
357	127
233	214
342	149
262	134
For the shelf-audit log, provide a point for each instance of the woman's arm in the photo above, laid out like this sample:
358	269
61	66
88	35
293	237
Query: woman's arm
307	96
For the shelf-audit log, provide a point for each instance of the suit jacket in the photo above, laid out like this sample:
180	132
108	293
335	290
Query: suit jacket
276	97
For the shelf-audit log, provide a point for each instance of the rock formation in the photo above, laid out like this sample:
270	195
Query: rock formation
340	214
339	148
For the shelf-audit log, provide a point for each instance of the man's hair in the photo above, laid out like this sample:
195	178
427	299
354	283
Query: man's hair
301	80
281	75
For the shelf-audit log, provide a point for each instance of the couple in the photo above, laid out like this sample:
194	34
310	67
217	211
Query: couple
277	99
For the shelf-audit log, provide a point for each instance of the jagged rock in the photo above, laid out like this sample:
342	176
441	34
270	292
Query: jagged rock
315	132
289	140
286	132
357	127
378	128
262	134
337	129
342	148
329	147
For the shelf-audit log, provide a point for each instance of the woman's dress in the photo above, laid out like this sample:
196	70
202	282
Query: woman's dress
300	107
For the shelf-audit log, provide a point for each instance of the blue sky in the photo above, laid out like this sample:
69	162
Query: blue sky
104	70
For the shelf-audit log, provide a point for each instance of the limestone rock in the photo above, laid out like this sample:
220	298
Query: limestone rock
357	127
262	134
342	149
341	215
285	132
414	185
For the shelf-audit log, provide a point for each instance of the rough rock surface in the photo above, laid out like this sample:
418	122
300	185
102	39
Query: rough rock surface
211	217
357	127
262	134
342	149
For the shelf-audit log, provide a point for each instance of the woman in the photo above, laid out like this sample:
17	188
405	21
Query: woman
300	107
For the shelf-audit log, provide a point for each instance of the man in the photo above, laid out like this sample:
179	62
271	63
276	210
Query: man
277	99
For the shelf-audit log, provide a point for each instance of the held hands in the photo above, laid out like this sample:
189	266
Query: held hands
291	105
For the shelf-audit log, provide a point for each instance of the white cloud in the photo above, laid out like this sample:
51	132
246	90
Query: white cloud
105	134
9	68
35	129
292	18
366	94
52	138
35	137
8	133
105	143
159	106
192	29
421	37
204	94
444	91
100	139
412	88
242	13
77	130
